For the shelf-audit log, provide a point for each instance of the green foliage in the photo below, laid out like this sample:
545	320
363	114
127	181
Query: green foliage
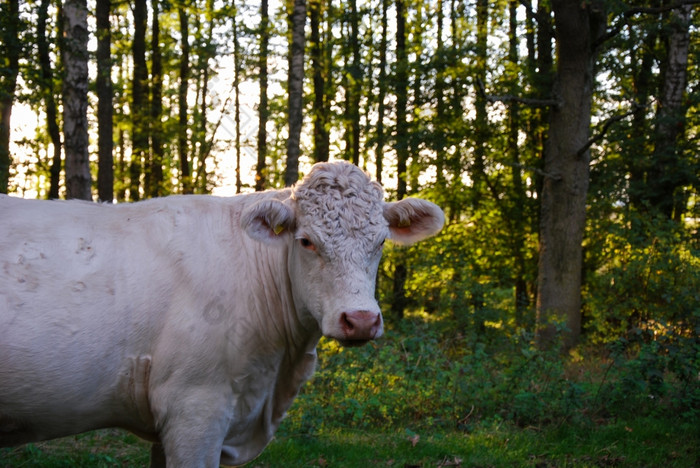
647	283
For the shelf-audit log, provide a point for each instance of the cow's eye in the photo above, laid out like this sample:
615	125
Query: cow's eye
307	244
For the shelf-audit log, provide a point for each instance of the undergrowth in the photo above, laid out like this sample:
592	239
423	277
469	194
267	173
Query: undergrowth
425	375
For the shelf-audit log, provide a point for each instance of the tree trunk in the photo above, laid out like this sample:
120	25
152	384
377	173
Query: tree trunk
355	86
517	207
185	172
320	113
665	178
237	59
75	100
139	101
398	305
297	20
48	89
9	61
154	170
478	173
263	109
566	165
401	89
105	141
440	98
381	105
201	120
642	62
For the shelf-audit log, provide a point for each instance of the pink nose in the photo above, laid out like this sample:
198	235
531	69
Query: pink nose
360	325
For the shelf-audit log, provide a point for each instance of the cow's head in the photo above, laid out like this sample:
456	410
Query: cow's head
335	223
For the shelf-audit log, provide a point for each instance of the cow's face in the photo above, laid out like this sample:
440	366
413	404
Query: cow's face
335	225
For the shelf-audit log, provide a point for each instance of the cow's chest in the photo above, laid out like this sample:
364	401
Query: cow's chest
262	392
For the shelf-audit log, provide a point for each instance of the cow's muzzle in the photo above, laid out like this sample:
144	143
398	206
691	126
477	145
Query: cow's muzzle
359	327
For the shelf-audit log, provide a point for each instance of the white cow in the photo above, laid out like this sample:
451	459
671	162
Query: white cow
191	321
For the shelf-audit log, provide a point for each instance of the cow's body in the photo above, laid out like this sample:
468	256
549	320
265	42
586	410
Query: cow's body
191	321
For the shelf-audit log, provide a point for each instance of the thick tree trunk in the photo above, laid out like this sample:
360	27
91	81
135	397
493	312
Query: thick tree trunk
297	21
563	202
105	141
75	101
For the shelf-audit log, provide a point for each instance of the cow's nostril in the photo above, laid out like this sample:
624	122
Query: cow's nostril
360	325
346	323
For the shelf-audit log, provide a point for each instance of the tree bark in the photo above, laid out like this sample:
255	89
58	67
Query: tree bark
263	108
478	173
237	59
48	90
139	101
105	141
563	202
381	105
398	304
75	100
154	170
401	89
297	21
320	113
642	62
9	60
355	86
665	177
185	172
517	207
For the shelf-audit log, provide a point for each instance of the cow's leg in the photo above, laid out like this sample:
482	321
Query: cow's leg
186	448
193	429
157	455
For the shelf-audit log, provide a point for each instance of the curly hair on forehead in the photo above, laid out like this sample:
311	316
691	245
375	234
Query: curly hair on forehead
339	198
338	180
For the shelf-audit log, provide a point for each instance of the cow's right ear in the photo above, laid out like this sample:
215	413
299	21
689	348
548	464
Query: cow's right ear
268	220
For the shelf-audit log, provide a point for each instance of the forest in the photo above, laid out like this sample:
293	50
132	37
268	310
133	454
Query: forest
560	137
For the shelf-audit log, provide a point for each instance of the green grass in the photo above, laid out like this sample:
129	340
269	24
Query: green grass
642	442
97	449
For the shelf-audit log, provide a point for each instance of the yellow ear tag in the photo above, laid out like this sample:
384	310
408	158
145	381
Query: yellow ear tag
279	228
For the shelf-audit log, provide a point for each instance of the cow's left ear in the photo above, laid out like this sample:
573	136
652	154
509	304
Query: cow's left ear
268	220
413	219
